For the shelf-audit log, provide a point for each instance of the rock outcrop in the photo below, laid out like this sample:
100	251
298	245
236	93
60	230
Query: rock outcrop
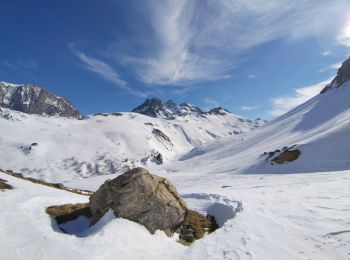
68	212
32	99
142	197
155	107
343	75
4	185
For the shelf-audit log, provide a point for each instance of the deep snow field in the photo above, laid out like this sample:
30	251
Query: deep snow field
291	216
295	210
70	148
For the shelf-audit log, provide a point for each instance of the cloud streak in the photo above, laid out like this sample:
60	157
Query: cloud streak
281	105
204	39
248	108
105	72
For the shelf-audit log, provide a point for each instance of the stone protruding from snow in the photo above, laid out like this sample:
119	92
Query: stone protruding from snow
142	197
32	99
343	75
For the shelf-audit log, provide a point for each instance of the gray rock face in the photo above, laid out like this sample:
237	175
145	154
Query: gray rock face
218	111
343	75
155	107
33	99
142	197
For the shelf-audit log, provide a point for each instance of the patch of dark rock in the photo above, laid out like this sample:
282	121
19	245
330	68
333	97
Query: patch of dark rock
196	226
287	156
150	124
226	186
34	144
49	184
108	114
159	158
160	134
68	212
4	185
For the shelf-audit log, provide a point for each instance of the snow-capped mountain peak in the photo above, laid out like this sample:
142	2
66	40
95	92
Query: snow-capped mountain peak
155	107
33	99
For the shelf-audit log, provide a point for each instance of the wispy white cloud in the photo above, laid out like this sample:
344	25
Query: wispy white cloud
105	71
22	66
251	76
326	53
281	105
249	107
344	34
211	102
334	66
203	39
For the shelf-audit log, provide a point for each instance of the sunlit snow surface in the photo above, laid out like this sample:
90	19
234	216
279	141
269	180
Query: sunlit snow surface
294	216
298	210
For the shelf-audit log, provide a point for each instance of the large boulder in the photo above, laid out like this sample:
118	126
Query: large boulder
142	197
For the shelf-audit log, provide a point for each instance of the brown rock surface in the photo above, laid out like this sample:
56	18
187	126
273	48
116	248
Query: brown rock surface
68	212
142	197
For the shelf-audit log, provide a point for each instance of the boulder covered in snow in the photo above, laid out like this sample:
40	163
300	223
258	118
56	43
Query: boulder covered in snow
142	197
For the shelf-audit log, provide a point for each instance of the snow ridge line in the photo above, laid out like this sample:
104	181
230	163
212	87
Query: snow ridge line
59	186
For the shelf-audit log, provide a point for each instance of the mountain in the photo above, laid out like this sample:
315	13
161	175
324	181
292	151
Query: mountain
240	179
155	107
33	99
66	148
315	133
343	75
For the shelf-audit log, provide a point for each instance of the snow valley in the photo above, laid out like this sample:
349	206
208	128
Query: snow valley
277	190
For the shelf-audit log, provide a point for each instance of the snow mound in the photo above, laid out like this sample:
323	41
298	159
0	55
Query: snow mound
222	208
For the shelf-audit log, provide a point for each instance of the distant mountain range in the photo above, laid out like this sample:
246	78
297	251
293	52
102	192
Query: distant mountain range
57	144
155	107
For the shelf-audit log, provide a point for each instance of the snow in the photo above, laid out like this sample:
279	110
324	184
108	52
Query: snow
10	84
70	149
303	216
296	210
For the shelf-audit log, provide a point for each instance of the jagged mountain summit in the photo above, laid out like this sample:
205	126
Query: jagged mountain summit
33	99
155	107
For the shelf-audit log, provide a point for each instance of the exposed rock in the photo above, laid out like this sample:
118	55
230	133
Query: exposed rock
343	75
32	99
68	212
155	107
142	197
108	114
287	156
161	136
196	226
4	185
159	158
218	111
49	184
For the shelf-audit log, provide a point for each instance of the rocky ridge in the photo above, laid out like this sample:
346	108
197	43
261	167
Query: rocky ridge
33	99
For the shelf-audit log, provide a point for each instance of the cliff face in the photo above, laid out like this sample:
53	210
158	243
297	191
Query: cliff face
343	75
33	99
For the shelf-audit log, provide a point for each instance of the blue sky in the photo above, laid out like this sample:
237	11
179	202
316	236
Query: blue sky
256	58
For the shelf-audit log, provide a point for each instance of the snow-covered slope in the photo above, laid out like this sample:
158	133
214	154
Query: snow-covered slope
319	128
285	216
57	148
291	217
